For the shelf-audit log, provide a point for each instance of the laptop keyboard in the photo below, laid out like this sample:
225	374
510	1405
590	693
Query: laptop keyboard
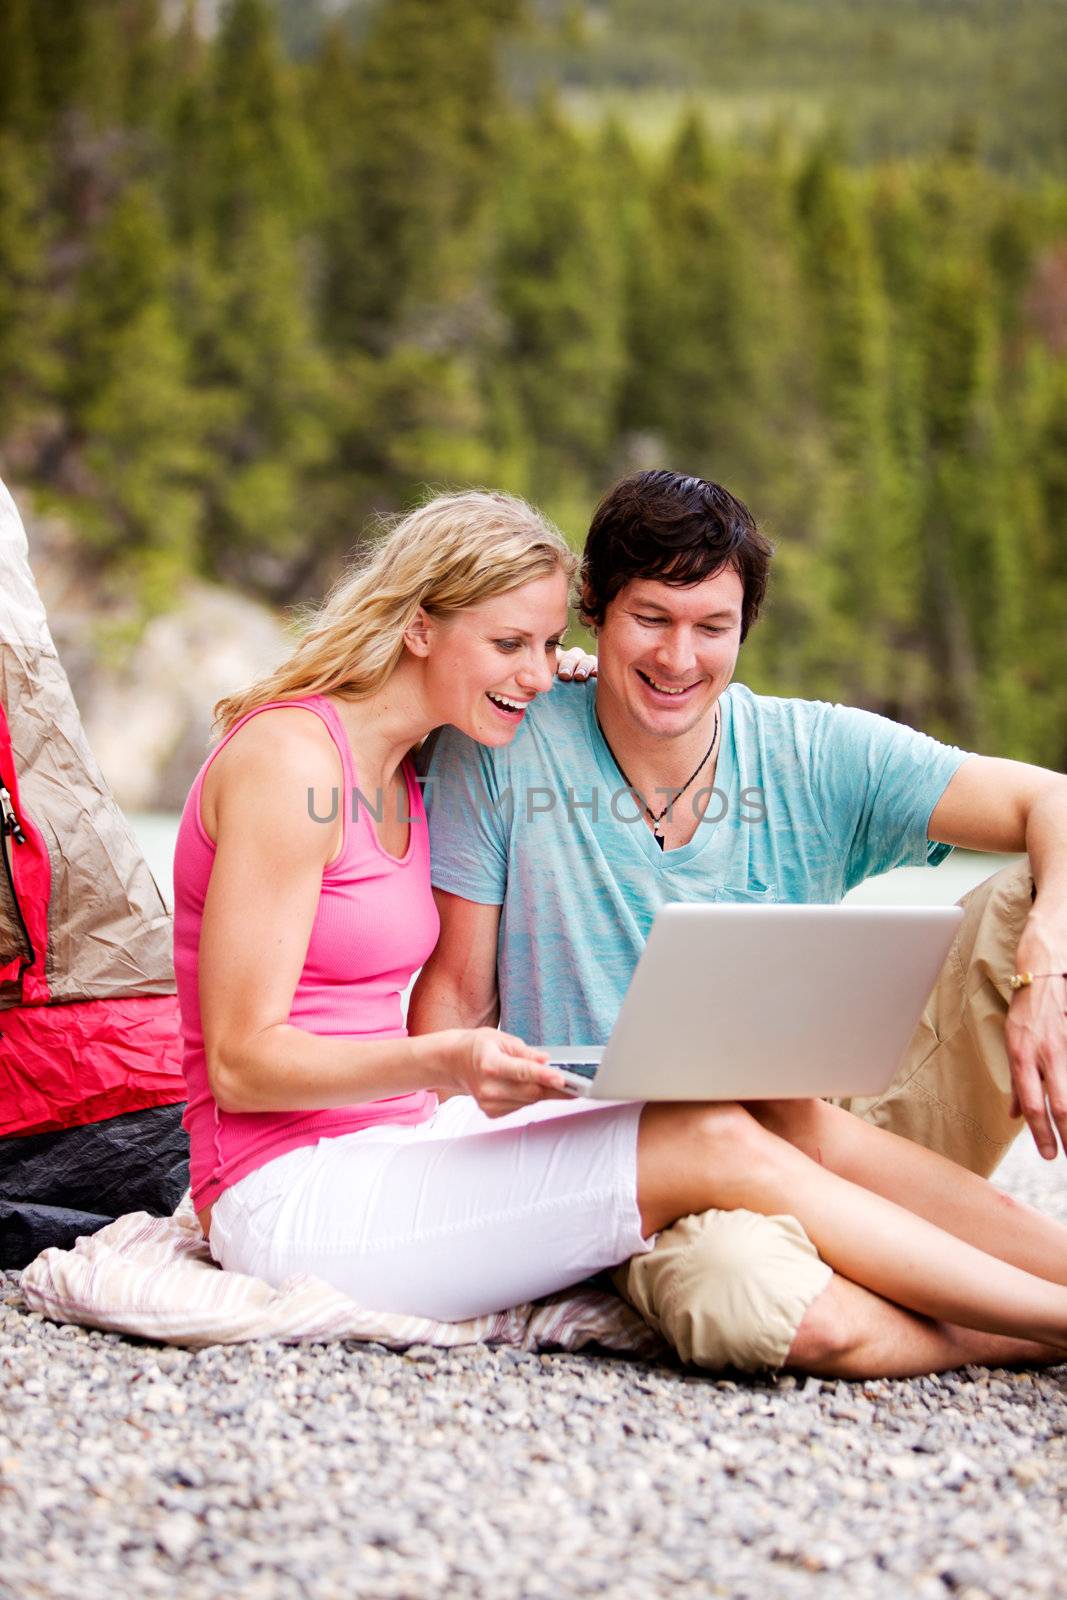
581	1069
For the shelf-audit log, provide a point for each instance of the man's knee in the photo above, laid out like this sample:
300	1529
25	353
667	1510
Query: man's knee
952	1092
727	1288
825	1335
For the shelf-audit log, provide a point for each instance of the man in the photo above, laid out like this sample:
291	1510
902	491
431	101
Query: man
662	782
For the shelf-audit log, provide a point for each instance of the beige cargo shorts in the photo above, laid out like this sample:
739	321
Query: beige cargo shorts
730	1288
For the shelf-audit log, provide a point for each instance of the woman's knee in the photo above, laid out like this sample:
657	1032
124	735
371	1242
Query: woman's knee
693	1157
724	1131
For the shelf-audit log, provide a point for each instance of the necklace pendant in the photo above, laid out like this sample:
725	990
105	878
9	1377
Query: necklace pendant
657	833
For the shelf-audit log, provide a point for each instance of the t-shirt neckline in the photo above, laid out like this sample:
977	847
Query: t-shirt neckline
707	833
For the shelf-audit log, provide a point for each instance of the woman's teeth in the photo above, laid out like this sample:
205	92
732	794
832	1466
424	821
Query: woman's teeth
505	703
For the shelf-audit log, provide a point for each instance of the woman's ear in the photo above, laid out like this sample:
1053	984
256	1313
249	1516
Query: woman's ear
417	633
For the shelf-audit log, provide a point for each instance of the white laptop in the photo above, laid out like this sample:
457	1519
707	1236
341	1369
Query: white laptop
737	1002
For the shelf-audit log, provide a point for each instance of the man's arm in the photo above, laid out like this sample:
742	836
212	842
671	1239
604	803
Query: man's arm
992	804
457	986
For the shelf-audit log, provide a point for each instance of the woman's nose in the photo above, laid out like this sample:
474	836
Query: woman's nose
537	672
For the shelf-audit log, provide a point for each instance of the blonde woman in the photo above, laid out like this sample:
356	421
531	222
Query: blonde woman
446	1174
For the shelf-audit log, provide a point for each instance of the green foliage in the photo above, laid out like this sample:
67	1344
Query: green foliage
130	402
28	366
258	156
415	174
904	76
558	289
256	284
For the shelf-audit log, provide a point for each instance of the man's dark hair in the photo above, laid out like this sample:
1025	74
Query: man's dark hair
678	529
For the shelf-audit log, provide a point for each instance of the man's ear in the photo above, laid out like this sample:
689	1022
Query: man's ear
417	633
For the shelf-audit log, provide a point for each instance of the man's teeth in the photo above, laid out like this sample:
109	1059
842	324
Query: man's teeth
665	688
502	700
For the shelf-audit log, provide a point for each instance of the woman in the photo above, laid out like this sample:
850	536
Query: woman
444	1175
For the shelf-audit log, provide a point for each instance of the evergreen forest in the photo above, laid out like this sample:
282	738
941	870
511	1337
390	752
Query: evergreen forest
267	271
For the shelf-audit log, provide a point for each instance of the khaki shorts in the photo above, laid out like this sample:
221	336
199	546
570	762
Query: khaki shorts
730	1288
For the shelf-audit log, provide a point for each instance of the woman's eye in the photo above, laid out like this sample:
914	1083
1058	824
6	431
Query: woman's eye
554	644
509	646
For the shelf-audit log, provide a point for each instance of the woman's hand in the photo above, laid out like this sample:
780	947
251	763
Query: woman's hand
497	1070
575	664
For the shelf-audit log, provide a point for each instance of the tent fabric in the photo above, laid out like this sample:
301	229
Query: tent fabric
109	930
89	1028
154	1278
23	902
54	1187
64	1066
88	1018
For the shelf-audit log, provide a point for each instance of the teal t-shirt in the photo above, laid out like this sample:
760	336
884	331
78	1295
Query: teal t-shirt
809	800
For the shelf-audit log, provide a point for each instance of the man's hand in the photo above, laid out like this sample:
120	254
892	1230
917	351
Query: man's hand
1037	1052
991	804
497	1069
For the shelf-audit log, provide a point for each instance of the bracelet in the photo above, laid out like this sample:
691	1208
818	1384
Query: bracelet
1023	980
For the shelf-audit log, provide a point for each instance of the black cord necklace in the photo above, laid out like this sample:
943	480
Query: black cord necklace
657	821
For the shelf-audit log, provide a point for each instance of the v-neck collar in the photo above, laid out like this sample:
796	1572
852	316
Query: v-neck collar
643	839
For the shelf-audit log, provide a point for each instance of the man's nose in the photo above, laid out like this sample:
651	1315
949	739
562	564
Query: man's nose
675	654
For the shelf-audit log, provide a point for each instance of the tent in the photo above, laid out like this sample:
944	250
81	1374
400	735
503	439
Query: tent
90	1061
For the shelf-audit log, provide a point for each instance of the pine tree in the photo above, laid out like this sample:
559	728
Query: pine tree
186	134
29	366
268	392
405	244
260	159
869	545
136	424
974	596
691	372
558	287
78	49
19	112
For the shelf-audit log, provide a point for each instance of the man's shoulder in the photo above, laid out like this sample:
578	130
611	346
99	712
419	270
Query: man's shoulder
559	716
772	714
562	709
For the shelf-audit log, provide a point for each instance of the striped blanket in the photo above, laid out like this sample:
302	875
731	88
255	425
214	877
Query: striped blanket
154	1278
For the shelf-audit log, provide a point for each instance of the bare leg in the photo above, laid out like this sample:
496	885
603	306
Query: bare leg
694	1158
923	1181
849	1332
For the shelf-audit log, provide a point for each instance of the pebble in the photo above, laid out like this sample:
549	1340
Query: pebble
274	1472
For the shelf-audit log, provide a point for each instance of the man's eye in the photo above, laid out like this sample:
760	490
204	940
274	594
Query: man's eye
650	622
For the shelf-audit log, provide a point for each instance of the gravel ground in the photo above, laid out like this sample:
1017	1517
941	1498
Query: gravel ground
341	1470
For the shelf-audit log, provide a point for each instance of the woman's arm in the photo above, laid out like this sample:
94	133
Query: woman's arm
258	915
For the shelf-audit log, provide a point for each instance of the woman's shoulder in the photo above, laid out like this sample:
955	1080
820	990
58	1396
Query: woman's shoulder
281	753
279	734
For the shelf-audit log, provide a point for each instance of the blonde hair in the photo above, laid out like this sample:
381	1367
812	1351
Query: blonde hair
450	553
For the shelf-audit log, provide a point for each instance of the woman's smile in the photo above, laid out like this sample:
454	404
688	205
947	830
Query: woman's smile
511	708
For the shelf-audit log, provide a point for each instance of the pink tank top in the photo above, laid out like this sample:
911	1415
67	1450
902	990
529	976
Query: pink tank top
376	923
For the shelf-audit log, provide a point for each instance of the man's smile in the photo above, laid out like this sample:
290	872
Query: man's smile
667	691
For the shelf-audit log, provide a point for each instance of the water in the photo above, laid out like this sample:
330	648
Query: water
908	886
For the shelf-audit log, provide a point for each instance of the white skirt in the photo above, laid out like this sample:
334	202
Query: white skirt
458	1216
